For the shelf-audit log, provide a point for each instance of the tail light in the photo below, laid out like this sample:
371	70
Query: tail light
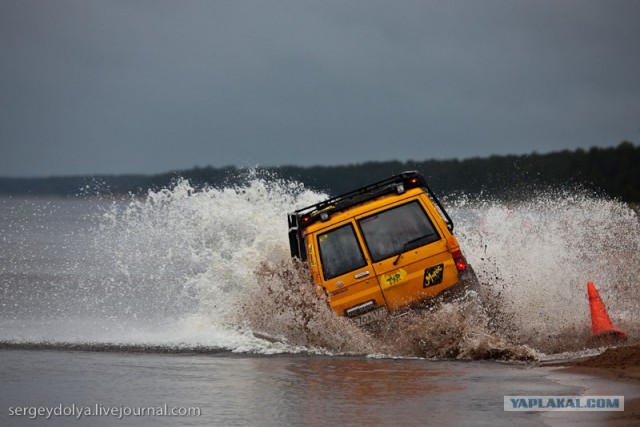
459	260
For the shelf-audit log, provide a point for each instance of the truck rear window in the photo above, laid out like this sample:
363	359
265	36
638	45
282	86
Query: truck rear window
397	230
340	252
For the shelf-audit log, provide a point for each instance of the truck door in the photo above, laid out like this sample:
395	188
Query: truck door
410	258
347	273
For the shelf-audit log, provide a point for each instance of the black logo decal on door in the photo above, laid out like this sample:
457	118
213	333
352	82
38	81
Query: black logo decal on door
433	275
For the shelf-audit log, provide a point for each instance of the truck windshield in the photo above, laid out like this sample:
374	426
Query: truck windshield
340	252
397	230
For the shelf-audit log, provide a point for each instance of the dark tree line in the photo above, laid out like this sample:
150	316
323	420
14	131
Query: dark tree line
611	171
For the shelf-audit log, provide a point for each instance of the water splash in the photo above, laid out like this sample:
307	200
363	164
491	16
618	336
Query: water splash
191	255
538	256
286	306
210	268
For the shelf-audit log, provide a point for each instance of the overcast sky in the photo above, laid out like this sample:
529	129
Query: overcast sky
146	86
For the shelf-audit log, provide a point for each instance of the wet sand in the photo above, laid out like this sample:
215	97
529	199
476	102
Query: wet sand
617	364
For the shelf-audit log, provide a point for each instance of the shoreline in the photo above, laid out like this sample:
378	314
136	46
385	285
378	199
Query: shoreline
620	364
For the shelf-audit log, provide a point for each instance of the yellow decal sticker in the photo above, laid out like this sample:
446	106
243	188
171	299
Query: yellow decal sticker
311	256
395	278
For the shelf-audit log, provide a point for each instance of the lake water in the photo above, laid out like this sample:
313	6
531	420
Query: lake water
160	301
281	390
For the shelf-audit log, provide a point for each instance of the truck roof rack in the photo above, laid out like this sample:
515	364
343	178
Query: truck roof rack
302	218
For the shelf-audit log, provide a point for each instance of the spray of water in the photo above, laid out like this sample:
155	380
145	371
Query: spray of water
191	256
286	306
538	256
210	268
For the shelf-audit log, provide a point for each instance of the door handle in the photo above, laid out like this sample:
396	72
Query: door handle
363	274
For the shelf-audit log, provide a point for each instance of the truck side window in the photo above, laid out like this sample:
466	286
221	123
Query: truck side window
340	252
397	230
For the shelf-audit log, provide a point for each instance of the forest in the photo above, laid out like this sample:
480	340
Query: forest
612	172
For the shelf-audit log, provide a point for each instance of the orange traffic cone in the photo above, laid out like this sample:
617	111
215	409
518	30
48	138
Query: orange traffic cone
601	325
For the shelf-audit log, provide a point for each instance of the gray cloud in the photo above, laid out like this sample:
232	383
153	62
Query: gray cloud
149	86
